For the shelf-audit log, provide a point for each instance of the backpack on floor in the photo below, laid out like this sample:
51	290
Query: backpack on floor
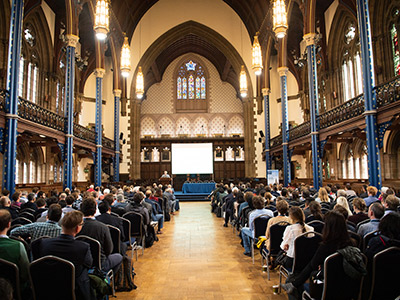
125	276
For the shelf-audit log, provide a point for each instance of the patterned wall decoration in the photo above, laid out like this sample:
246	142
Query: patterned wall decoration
183	126
218	126
200	126
235	125
166	126
148	127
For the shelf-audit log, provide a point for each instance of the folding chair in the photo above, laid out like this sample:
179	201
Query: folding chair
21	221
337	284
116	238
35	247
53	277
29	210
361	223
305	246
10	271
356	237
275	239
259	225
126	224
137	227
317	225
27	215
367	237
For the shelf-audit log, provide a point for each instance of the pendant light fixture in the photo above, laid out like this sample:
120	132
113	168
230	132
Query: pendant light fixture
257	57
243	83
280	25
101	19
125	58
139	84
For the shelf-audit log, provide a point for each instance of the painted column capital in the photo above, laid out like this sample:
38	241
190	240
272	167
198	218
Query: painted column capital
283	71
266	91
71	40
117	93
310	39
99	72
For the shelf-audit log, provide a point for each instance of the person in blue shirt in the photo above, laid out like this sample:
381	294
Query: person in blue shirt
248	232
372	191
375	213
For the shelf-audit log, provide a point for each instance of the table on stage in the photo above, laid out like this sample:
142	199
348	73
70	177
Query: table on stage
205	188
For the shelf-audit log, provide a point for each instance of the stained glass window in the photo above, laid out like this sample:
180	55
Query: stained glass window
191	82
395	49
203	88
179	88
191	87
184	89
21	76
197	88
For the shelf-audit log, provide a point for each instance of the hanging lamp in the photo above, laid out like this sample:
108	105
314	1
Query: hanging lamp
257	58
125	58
243	83
280	25
139	84
101	19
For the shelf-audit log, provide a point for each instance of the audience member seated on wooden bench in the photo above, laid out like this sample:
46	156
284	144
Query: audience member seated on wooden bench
101	233
49	228
14	252
78	252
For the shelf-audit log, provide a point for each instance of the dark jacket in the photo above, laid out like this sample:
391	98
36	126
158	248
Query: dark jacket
75	251
100	232
138	208
113	221
29	204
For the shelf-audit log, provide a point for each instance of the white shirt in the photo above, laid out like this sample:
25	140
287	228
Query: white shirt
290	234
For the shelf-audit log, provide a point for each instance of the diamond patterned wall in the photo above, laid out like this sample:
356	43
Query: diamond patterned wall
218	126
166	126
148	127
183	126
200	126
235	125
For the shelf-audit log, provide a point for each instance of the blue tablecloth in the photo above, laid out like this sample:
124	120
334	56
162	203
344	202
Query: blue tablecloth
205	188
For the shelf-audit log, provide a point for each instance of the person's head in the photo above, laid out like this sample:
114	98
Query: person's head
343	211
341	193
138	197
343	202
268	197
40	203
120	198
4	201
248	197
284	193
51	200
16	196
335	230
165	172
376	211
69	200
149	193
282	207
31	197
41	194
359	205
258	202
347	187
63	196
296	215
391	202
5	192
306	193
6	290
54	213
104	207
323	195
109	198
88	207
5	220
308	201
390	226
315	209
158	193
371	190
72	222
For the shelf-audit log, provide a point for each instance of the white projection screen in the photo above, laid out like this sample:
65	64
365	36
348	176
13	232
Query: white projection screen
193	158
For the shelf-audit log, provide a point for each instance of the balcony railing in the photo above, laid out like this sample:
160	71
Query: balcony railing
388	92
300	131
30	111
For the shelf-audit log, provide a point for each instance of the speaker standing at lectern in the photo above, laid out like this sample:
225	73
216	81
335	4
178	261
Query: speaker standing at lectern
165	175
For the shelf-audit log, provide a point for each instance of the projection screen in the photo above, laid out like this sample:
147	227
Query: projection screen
193	158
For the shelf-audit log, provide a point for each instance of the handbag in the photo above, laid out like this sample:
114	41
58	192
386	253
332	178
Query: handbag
281	258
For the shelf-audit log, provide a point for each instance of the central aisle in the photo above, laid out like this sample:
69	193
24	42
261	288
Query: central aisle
198	258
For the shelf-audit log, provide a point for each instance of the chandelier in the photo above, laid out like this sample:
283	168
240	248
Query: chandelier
243	83
101	19
280	20
125	58
139	84
257	58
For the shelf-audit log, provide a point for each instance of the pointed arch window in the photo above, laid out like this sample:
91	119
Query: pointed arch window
191	82
395	49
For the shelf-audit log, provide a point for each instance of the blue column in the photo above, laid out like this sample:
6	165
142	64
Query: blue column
285	125
314	114
98	127
267	129
72	40
364	27
117	97
11	106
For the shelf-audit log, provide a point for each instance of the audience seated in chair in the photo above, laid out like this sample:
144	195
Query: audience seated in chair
38	229
30	203
390	203
375	213
359	208
13	251
78	252
5	203
156	210
136	206
101	233
248	232
372	191
282	206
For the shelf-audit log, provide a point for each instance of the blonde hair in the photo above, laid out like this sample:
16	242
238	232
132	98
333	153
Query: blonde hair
323	195
342	201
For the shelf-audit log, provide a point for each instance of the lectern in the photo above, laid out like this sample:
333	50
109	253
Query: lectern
164	180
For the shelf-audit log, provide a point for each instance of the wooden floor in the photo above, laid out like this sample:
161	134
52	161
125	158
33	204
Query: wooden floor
198	258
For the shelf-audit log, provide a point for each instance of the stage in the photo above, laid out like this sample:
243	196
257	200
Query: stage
191	197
